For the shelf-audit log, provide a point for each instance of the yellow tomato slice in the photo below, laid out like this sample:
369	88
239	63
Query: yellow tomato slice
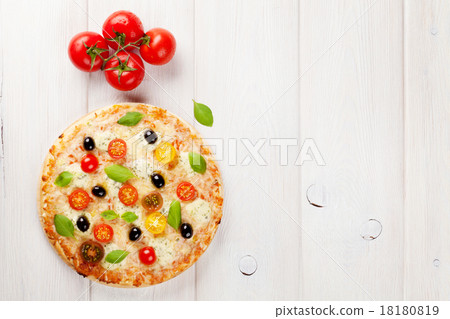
156	223
165	153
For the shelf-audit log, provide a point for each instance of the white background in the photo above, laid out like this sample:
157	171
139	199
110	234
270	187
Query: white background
368	80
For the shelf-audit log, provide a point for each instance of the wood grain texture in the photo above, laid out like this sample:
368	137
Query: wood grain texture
351	103
427	153
241	68
42	96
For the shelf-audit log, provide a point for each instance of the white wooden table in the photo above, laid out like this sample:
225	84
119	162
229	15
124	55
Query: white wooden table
367	80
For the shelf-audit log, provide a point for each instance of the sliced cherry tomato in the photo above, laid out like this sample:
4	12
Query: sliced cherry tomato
86	50
159	47
117	148
103	233
165	153
79	199
147	255
89	163
122	28
125	71
186	191
152	202
128	195
156	223
91	251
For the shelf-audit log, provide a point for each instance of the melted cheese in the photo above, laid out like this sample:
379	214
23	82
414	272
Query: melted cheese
164	250
199	211
102	139
80	179
183	161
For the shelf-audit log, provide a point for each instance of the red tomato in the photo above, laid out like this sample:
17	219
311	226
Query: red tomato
128	195
125	72
103	233
147	255
186	191
86	49
122	28
152	202
117	148
159	48
79	199
89	163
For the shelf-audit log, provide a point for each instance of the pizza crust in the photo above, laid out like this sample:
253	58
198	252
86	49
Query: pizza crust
123	277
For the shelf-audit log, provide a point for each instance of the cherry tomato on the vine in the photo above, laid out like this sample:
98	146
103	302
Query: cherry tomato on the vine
79	199
147	255
159	48
103	233
122	28
128	194
86	50
89	163
125	72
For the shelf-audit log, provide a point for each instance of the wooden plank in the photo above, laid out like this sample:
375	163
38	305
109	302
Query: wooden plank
246	55
43	95
169	86
351	100
427	133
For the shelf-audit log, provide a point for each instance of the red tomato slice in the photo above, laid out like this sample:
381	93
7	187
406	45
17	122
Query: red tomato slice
103	233
147	255
152	202
186	191
117	148
79	199
128	195
89	163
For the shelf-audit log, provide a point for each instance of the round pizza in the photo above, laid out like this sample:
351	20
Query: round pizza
130	196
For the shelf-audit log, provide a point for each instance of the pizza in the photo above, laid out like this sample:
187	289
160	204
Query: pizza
130	196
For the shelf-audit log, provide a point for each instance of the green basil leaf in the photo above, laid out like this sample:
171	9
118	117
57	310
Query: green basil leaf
174	218
197	162
118	173
63	225
109	215
116	256
203	114
129	217
63	179
130	119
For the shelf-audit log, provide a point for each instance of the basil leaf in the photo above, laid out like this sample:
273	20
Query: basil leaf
118	173
116	256
63	225
109	215
129	217
174	218
130	119
63	179
197	162
203	114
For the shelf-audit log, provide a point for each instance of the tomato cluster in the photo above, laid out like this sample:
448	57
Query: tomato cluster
123	32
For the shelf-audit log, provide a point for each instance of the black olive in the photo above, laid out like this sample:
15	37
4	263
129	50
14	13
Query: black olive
150	136
186	230
158	180
98	191
83	223
89	144
135	233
